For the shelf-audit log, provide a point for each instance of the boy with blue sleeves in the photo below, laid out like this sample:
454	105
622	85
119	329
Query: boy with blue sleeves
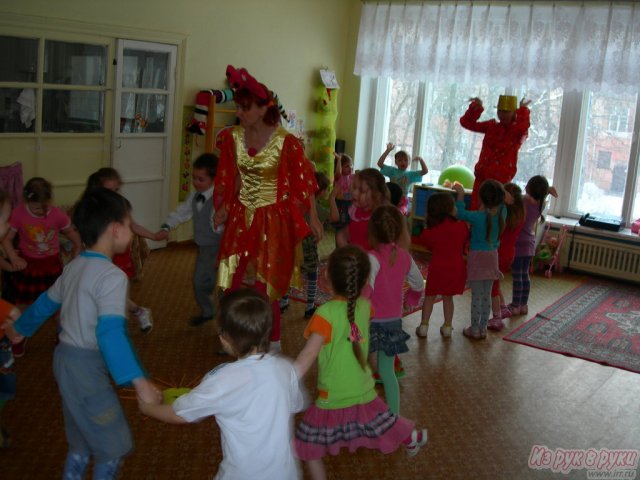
91	295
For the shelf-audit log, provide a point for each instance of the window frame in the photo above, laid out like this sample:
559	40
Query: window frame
40	86
372	128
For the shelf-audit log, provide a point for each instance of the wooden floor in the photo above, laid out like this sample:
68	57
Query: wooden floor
485	403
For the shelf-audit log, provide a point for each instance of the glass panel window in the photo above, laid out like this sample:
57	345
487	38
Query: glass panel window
17	110
19	59
596	190
142	113
537	156
402	117
443	141
72	111
74	63
143	69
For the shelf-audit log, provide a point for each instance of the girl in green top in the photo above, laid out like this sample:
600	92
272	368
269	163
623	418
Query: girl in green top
348	412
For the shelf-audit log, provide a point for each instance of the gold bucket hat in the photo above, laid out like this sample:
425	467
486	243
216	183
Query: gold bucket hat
508	103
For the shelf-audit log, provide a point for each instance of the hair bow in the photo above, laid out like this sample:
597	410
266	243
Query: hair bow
240	78
355	336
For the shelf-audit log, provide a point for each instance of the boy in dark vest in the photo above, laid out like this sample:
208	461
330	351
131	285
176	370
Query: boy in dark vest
200	207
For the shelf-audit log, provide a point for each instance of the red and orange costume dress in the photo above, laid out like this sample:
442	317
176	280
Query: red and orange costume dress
265	224
499	155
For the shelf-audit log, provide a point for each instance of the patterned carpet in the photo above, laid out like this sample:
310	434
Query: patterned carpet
598	321
490	393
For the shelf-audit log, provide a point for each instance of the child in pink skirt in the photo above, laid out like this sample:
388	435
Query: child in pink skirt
348	412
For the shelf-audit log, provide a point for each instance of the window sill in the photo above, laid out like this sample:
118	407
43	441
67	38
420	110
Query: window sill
624	235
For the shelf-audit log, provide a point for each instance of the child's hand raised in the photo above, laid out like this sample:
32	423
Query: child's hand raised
553	192
476	100
390	146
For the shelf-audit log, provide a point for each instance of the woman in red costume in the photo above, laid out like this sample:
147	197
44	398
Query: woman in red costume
502	140
266	182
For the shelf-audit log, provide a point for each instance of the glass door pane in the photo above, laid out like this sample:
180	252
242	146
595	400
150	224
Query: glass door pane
144	69
140	113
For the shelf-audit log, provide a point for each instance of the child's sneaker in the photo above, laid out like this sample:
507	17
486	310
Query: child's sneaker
418	440
474	333
495	323
145	319
446	330
524	309
18	349
422	330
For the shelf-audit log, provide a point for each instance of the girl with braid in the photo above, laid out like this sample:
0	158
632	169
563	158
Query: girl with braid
537	191
348	412
390	266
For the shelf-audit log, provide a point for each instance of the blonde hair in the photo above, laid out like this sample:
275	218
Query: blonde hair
376	182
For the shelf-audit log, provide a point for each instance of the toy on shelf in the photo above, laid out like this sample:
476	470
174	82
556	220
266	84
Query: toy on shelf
547	255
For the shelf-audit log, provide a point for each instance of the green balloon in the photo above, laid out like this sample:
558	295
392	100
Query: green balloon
457	173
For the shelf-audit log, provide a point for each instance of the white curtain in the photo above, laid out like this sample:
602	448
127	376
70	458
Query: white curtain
580	46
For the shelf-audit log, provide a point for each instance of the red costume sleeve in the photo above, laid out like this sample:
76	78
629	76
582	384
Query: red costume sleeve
227	169
522	121
296	172
470	118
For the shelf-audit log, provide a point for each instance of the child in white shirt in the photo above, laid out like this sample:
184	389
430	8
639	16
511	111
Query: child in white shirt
253	399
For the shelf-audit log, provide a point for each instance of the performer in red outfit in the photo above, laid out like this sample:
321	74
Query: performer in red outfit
267	183
502	140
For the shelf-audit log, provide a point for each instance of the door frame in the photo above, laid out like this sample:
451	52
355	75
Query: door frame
170	112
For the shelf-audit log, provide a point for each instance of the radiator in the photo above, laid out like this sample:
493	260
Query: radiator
604	257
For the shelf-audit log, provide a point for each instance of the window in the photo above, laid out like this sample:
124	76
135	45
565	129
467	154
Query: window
604	160
597	191
589	164
70	98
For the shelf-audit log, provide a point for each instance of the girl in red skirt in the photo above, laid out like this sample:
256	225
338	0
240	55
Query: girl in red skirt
348	412
36	262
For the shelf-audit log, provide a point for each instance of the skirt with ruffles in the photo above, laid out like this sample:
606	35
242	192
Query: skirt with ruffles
388	337
371	425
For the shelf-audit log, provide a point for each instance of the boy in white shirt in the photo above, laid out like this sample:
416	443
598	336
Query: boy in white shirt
253	399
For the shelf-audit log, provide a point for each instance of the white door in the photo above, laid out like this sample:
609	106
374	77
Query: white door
144	97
